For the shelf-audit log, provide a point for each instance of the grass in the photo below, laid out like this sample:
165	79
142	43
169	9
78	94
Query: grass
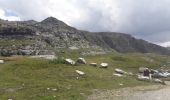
23	78
15	42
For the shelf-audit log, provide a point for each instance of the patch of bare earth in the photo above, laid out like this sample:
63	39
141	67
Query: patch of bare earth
154	92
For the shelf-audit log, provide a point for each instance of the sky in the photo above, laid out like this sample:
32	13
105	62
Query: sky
146	19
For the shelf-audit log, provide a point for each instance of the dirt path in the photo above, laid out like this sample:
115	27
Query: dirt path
162	94
156	92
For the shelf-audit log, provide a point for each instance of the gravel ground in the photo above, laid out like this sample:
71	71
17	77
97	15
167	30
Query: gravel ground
162	94
155	92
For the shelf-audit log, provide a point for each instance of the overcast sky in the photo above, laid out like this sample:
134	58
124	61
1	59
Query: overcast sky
146	19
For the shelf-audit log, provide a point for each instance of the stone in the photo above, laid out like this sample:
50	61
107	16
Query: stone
104	65
81	61
141	69
161	75
54	96
49	57
121	84
118	75
80	73
158	81
1	61
152	71
130	74
70	61
73	48
93	64
143	78
120	71
48	88
54	89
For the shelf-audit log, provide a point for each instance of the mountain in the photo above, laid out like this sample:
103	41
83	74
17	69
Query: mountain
168	48
48	36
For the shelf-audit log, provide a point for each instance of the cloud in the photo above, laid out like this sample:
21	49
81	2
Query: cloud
165	44
40	9
147	19
7	17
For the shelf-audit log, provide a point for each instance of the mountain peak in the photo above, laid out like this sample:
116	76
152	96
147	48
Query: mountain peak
53	21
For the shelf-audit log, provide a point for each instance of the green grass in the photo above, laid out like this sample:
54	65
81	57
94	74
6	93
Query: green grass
22	78
15	42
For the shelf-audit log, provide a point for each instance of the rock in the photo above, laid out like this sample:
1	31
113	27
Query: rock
48	88
49	57
104	65
1	61
54	96
27	52
93	64
121	84
152	71
142	69
143	78
10	99
73	48
130	74
81	61
80	73
54	89
161	75
70	61
120	71
92	53
158	81
118	75
52	34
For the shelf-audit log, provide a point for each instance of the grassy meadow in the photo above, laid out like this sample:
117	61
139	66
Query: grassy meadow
24	78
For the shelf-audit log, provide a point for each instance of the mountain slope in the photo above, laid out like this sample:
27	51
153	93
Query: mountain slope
45	37
124	43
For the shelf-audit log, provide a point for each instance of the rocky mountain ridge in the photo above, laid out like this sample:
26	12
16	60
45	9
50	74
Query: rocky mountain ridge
45	37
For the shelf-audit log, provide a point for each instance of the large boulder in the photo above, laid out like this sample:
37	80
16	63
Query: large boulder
81	61
70	61
1	61
104	65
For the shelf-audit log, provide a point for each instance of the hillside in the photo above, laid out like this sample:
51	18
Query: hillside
51	35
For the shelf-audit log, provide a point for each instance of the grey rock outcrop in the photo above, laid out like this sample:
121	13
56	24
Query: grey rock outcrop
51	34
